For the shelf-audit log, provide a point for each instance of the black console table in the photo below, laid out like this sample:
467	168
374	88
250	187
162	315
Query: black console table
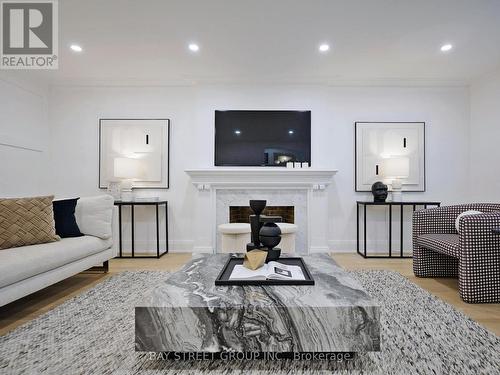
364	204
142	202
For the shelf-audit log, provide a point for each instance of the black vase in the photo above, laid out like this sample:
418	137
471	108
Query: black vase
270	236
257	207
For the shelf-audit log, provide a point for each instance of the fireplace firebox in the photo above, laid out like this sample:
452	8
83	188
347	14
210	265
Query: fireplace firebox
240	214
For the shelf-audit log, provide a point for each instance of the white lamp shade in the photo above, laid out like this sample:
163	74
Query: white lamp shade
126	168
396	167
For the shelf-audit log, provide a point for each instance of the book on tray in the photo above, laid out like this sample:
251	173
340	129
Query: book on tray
269	271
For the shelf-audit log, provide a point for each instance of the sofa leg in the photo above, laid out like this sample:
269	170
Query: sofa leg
104	268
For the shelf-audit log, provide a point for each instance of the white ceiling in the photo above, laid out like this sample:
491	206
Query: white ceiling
277	41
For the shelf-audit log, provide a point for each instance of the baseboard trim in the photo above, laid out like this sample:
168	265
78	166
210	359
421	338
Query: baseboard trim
318	249
203	249
146	247
374	247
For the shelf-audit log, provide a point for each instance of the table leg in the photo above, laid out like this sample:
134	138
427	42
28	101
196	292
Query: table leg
120	228
157	233
364	228
166	227
390	230
132	227
357	228
401	229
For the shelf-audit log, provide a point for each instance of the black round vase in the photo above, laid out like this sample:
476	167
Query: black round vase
270	236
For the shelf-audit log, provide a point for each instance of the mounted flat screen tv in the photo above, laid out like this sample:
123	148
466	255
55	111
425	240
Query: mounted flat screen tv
262	138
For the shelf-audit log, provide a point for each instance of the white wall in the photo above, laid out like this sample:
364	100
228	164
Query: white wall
24	133
74	114
485	139
74	119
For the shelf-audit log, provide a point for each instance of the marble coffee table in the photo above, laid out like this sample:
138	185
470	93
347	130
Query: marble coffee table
187	313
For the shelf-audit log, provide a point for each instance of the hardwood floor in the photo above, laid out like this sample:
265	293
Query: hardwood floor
27	308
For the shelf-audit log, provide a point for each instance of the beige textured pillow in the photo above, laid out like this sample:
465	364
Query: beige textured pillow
26	221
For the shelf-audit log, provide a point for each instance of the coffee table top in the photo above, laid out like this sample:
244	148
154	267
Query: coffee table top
193	287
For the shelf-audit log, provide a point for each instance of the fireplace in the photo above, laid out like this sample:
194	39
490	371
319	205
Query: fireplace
290	204
303	188
240	214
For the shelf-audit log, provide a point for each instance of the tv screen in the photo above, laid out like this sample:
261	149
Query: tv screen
262	138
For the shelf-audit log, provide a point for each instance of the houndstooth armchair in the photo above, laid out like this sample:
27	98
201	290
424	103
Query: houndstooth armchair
473	254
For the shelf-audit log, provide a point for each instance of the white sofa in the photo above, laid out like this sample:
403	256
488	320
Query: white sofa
26	269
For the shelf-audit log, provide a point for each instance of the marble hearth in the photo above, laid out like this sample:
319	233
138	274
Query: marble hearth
220	188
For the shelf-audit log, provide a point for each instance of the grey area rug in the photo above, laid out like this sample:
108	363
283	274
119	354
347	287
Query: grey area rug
94	334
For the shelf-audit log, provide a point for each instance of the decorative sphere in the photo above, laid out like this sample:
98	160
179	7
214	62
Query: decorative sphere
270	235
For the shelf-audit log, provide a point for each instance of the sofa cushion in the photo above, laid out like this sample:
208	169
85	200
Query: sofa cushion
93	215
64	217
448	244
20	263
26	221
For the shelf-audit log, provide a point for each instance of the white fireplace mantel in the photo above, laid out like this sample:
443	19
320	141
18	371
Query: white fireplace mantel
217	177
307	187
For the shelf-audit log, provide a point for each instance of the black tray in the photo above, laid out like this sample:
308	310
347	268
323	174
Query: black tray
223	278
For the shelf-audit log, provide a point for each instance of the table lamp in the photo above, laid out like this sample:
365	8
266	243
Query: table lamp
396	168
126	169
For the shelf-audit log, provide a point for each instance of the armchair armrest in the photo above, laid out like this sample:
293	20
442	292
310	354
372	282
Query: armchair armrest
479	259
477	232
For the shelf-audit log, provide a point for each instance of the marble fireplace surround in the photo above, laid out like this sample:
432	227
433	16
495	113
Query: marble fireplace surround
274	197
222	187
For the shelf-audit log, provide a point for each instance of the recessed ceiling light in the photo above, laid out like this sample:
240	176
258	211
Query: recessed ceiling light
194	47
446	47
76	48
324	47
291	132
237	132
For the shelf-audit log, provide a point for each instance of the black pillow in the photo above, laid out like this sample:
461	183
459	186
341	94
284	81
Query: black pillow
64	217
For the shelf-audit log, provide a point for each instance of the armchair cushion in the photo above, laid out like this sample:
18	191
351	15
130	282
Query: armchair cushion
448	244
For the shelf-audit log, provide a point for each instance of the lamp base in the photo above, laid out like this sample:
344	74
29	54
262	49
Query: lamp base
127	195
126	190
397	196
